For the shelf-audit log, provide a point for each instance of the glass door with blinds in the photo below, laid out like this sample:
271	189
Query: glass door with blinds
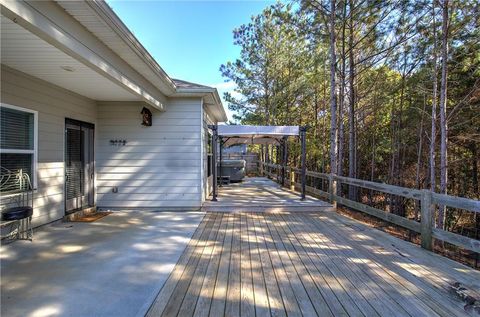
79	165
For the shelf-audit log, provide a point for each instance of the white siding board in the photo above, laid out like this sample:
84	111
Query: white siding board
143	169
143	156
151	190
142	204
148	162
150	197
159	167
128	148
126	129
148	176
142	136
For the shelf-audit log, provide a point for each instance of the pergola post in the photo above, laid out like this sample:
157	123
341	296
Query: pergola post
278	157
284	159
303	142
220	169
214	171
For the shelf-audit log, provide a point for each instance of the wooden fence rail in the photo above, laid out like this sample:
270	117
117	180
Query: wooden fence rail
428	200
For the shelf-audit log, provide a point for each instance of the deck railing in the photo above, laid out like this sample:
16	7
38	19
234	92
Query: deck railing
324	186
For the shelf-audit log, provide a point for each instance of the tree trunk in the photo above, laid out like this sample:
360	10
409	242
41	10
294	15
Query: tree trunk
351	110
473	149
333	93
419	157
341	100
434	105
443	116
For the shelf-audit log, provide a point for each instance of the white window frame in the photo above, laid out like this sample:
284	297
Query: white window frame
35	142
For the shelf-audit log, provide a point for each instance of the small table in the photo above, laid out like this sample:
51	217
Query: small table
16	204
20	219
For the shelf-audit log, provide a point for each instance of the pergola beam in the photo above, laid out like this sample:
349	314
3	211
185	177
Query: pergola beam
214	150
303	142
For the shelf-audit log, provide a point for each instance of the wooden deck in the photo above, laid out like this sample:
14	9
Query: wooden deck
260	194
307	264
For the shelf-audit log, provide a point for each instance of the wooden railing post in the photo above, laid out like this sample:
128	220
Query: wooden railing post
331	188
292	179
426	219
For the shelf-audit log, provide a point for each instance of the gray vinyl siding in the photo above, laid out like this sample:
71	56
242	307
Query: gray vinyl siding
160	166
53	104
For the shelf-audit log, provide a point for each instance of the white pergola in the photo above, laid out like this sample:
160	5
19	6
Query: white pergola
255	134
252	134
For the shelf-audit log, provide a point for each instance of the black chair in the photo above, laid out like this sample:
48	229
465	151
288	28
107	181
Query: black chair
17	204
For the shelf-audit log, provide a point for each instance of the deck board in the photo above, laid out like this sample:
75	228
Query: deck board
294	264
256	194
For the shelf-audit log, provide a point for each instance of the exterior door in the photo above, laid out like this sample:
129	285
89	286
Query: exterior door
79	165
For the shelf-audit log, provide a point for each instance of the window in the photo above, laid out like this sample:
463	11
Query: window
18	140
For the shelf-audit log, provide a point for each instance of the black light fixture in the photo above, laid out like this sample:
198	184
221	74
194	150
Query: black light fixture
146	117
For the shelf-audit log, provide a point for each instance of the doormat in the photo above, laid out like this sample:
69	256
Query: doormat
92	217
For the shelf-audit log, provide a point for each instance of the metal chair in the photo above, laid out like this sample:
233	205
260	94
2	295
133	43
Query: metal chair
16	205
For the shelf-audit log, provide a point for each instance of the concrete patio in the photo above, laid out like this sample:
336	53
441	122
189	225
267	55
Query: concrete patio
112	267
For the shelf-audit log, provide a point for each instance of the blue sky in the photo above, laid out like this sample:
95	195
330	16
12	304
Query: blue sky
189	39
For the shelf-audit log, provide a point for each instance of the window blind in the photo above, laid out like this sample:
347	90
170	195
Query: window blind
17	146
16	129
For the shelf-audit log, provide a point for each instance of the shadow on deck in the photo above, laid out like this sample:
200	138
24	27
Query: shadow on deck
260	194
310	264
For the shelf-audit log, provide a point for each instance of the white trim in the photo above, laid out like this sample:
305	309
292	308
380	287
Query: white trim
202	153
35	141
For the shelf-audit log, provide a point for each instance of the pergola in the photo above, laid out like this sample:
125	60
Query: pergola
250	134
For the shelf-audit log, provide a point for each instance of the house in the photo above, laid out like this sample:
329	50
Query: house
77	91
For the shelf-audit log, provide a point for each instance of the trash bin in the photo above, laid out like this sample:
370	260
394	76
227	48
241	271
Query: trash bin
235	169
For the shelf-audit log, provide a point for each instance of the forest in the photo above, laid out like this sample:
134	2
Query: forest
390	90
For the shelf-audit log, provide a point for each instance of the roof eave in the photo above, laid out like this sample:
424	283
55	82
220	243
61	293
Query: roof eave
218	109
103	10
